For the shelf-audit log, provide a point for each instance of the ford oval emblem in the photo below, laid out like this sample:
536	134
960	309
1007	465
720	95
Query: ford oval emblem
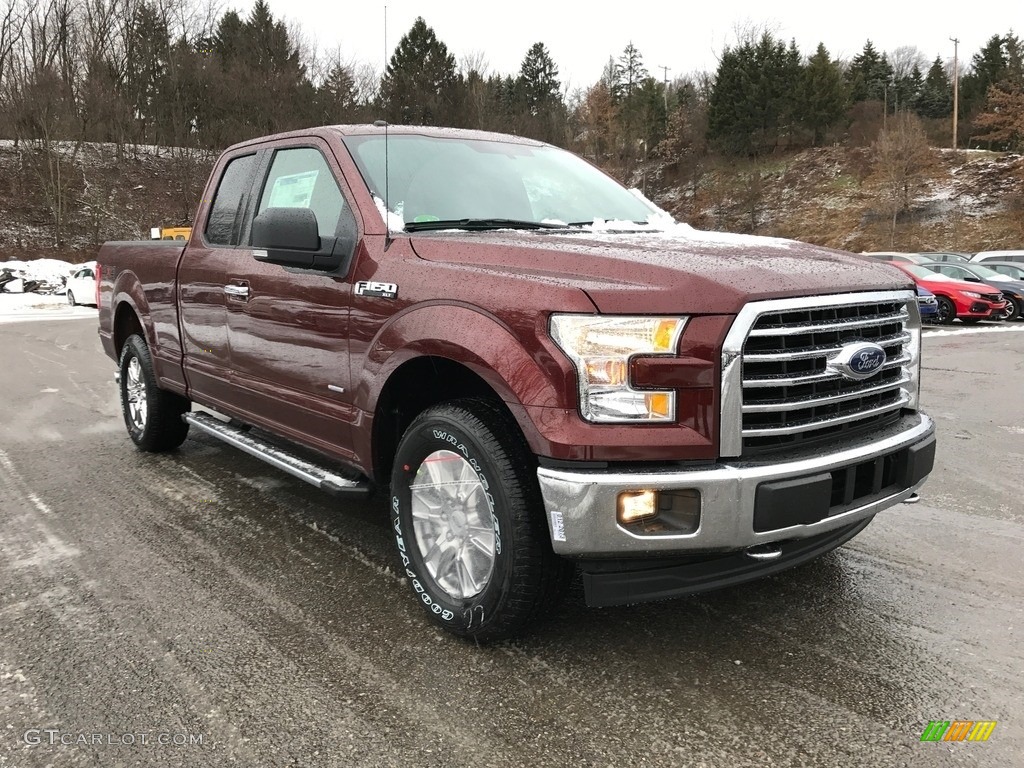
858	361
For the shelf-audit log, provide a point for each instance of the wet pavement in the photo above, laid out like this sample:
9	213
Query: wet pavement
203	597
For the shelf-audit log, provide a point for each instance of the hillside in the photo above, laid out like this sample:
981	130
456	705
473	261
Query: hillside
967	200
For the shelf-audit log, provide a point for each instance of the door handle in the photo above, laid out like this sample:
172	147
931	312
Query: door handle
239	291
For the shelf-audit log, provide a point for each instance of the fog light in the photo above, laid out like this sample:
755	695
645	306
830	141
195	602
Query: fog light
635	506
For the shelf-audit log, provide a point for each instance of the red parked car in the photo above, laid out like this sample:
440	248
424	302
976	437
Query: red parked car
971	302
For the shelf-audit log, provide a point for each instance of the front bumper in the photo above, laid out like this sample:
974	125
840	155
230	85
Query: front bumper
797	498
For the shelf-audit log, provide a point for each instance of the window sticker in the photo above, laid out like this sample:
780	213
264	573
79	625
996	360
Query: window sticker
293	191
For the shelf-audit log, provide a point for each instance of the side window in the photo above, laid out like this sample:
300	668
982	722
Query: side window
221	226
301	178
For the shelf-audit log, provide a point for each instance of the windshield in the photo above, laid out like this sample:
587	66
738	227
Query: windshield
986	273
1017	273
923	272
493	184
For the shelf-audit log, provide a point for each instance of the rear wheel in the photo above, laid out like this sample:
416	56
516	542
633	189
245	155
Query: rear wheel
152	415
947	311
468	521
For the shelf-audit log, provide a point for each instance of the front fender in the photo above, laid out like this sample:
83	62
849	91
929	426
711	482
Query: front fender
479	341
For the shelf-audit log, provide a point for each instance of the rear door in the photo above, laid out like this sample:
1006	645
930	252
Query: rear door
288	333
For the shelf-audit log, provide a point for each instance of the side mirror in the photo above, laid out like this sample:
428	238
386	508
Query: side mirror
972	279
286	236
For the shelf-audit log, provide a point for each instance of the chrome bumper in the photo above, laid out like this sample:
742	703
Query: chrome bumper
581	505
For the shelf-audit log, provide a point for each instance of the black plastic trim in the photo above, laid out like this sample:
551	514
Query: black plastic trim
637	582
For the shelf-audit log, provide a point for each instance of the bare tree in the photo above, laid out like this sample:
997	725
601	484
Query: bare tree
904	59
902	162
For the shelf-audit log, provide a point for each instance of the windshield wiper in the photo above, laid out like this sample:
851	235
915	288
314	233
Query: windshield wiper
478	224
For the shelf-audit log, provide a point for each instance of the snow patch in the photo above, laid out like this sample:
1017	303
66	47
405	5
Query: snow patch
395	222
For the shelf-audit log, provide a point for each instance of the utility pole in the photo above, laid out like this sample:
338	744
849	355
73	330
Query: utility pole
956	84
665	71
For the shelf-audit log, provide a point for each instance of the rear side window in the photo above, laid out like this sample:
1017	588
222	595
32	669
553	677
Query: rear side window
301	178
222	225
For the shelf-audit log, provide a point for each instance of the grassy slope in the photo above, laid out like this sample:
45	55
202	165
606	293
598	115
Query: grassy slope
970	201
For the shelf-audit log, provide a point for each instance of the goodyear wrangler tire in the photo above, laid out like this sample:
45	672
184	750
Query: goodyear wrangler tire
151	415
468	521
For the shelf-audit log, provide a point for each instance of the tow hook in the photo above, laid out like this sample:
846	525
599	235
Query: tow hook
763	552
912	499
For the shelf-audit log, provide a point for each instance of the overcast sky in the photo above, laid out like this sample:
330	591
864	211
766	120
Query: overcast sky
685	37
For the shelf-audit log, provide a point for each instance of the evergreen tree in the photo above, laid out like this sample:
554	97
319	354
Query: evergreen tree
629	73
988	67
907	90
538	80
823	94
420	84
936	97
869	75
537	98
752	104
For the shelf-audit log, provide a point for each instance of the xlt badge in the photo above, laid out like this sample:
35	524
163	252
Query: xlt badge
373	288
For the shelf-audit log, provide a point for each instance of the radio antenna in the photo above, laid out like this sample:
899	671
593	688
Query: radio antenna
387	172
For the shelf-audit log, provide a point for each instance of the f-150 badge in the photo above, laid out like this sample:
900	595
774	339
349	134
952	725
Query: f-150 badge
373	288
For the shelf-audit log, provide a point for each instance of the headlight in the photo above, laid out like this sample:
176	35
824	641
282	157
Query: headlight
600	346
972	294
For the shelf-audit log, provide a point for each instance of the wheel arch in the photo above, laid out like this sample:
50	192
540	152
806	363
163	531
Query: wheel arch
126	323
417	384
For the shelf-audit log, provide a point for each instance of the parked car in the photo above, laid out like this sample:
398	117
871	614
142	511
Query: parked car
950	256
911	258
1016	257
81	286
927	303
970	302
1008	268
1013	290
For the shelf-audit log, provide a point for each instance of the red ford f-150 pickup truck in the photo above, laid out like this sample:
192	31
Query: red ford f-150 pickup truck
541	369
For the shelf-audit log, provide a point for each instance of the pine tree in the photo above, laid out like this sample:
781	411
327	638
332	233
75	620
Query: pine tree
536	98
936	97
823	94
752	106
538	79
629	73
988	67
869	75
420	84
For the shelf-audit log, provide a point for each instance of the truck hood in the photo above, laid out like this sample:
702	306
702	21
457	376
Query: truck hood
680	270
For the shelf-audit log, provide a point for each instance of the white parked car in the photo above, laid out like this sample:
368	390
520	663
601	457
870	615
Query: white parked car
1014	256
81	287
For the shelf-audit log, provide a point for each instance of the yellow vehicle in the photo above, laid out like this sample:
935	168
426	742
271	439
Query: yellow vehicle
170	233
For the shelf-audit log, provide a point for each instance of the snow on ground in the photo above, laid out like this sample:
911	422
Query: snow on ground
20	307
51	270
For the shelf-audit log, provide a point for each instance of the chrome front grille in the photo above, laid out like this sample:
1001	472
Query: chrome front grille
778	389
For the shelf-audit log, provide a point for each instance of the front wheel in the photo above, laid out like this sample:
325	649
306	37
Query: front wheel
947	311
1013	309
152	415
468	520
71	299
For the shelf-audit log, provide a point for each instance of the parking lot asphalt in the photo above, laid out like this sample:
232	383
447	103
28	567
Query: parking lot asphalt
205	600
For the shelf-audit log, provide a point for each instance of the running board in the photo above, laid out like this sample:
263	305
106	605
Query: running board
322	478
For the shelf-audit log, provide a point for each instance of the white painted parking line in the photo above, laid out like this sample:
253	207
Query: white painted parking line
931	331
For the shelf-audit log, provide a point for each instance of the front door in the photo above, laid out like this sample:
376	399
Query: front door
288	328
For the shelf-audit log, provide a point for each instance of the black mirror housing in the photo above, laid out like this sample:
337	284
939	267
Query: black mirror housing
286	236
